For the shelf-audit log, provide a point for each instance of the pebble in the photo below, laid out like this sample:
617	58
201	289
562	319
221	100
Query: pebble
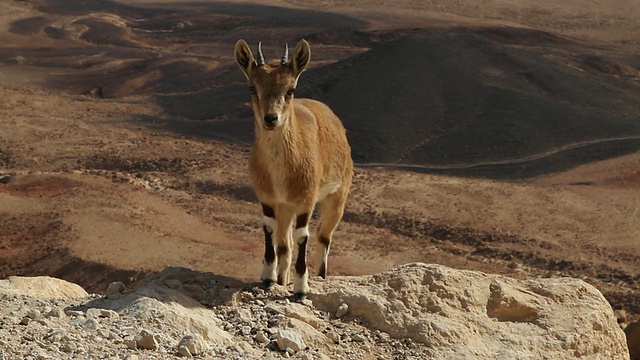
290	339
173	283
91	324
146	340
195	344
342	310
184	351
69	347
262	338
332	335
384	337
34	314
115	287
93	313
194	291
358	338
76	313
56	312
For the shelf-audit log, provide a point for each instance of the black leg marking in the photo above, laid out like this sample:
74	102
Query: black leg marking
282	250
323	270
302	221
301	262
268	211
269	251
324	241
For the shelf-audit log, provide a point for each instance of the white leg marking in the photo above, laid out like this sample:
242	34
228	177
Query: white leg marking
300	234
301	283
269	270
271	224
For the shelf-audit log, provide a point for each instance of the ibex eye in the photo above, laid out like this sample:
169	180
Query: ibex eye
290	92
252	90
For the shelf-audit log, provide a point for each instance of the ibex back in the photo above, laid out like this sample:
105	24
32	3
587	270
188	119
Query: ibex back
300	157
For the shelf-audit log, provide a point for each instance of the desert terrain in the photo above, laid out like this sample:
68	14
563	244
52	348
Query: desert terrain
501	136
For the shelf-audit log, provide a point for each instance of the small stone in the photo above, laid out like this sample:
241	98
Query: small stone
146	340
108	313
34	314
54	335
306	356
245	330
115	287
131	357
358	338
262	338
44	322
69	347
25	321
195	344
290	352
194	291
91	324
184	351
93	313
333	336
55	312
342	310
75	313
384	337
173	284
290	339
259	302
130	342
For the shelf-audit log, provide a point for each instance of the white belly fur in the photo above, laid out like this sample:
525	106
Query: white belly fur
327	189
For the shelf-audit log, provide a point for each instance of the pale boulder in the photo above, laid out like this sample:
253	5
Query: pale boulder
43	287
469	314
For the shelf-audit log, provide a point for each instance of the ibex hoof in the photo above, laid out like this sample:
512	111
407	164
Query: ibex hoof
298	297
267	283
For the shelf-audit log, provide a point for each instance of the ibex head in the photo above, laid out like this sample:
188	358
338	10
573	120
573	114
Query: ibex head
272	86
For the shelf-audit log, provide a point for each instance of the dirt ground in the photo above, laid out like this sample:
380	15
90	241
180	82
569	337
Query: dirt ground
501	137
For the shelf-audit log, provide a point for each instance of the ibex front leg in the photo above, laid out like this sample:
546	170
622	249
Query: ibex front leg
301	236
270	263
284	242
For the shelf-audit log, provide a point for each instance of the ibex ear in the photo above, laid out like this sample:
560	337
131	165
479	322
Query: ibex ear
300	57
244	58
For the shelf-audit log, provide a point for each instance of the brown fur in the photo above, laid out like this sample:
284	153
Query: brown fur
298	158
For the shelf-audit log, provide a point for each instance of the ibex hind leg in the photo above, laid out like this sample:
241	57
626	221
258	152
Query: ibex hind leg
331	211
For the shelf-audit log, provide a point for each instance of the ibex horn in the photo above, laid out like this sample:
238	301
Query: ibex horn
260	56
285	57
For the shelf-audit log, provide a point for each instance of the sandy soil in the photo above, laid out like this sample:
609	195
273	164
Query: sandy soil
500	137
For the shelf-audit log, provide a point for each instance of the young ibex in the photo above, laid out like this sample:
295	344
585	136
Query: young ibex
300	157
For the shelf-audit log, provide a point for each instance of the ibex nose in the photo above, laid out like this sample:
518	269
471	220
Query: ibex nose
270	119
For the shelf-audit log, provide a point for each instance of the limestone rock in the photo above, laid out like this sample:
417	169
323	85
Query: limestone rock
43	287
469	314
194	343
289	339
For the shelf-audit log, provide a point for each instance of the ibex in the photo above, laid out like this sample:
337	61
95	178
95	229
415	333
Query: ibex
300	157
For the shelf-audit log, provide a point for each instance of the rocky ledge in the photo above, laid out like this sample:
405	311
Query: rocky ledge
414	311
